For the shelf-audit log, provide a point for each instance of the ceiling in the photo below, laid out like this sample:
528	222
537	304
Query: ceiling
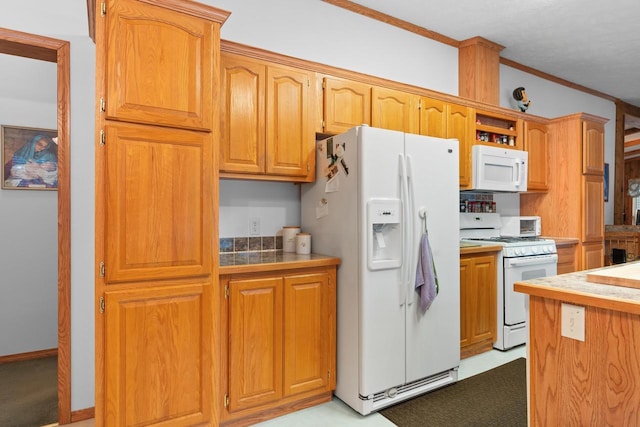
593	43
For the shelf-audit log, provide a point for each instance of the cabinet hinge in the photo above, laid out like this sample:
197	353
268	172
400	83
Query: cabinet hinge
226	291
101	305
324	85
103	105
308	167
328	375
103	8
420	104
103	137
226	400
101	268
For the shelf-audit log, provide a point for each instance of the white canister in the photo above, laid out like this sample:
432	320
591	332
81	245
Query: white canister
289	238
303	243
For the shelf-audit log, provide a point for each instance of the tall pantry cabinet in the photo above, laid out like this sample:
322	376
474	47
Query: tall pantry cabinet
157	69
574	203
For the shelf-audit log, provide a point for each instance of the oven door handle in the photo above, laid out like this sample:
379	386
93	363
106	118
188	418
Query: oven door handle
530	260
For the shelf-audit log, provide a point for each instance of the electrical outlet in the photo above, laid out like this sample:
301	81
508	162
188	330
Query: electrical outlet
572	321
254	227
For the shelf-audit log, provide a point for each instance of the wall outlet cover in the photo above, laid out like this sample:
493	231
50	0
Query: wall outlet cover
572	321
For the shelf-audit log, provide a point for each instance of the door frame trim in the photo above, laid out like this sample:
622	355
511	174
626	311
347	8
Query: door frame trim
58	51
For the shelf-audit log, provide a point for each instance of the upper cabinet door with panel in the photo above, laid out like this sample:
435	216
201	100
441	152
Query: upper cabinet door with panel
158	66
394	110
346	104
592	148
536	144
242	115
290	132
433	117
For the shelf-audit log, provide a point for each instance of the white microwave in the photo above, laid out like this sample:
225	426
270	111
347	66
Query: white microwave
499	169
520	226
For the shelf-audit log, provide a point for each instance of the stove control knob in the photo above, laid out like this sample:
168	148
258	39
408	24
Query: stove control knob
535	249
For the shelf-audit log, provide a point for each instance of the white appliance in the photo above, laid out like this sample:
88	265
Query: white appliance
520	226
364	207
499	169
521	258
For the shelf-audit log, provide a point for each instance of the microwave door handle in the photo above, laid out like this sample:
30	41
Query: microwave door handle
518	172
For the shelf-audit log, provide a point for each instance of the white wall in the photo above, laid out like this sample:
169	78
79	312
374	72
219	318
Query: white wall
550	100
28	220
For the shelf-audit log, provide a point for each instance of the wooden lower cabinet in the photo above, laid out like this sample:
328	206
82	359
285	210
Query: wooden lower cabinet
478	301
278	345
567	257
157	360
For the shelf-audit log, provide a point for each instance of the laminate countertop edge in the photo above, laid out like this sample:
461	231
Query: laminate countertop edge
575	289
480	249
256	262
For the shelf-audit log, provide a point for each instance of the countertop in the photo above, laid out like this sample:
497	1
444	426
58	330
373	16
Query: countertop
470	248
574	288
563	241
264	261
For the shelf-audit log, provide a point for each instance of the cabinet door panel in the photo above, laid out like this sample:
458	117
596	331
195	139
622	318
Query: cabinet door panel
535	143
483	300
394	110
460	125
158	211
592	256
593	208
157	355
433	117
290	135
466	267
592	148
306	326
346	104
255	342
242	116
159	66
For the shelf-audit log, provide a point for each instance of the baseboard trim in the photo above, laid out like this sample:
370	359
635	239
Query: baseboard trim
39	354
83	414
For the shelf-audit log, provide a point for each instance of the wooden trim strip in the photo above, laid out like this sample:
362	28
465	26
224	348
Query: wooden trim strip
31	355
83	414
554	79
192	8
379	16
349	5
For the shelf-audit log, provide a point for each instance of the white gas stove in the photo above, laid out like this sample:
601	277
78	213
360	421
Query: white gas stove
521	258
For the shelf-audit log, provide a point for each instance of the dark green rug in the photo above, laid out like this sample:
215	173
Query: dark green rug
29	392
493	398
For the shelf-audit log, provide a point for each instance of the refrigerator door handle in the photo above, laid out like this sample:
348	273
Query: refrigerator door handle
404	272
411	256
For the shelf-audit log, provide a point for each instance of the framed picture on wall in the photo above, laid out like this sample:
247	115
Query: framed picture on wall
29	158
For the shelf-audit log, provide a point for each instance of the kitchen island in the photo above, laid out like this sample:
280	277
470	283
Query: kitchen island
584	341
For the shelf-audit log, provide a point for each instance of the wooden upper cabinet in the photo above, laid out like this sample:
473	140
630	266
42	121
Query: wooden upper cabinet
346	104
290	132
537	145
433	117
158	202
460	125
159	65
592	148
242	139
266	121
394	110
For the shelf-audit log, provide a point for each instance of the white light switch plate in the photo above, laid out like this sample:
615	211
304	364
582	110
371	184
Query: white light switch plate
572	321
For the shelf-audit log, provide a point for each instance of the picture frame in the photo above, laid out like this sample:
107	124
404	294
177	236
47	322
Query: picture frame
29	158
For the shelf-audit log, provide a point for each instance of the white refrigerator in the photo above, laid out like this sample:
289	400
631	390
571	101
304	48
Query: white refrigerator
376	192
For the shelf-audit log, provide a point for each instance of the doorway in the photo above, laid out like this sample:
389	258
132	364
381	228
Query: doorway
57	51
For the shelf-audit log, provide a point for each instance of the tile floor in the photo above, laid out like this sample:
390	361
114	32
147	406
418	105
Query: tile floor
337	413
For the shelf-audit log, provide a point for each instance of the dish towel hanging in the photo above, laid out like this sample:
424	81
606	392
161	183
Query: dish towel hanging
426	277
